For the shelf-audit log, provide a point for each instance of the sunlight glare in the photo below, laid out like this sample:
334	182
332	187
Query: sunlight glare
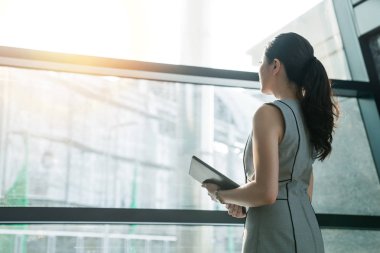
166	31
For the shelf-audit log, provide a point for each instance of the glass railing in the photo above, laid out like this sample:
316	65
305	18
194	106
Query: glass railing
119	238
168	239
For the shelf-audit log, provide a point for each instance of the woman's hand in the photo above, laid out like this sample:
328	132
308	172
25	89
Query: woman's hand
235	211
211	188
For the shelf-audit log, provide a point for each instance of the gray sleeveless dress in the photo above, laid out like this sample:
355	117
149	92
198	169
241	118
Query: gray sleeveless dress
290	224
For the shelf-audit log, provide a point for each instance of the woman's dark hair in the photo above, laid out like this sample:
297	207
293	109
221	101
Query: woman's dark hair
315	93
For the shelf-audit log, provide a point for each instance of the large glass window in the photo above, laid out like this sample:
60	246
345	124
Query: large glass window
80	140
347	183
75	140
208	33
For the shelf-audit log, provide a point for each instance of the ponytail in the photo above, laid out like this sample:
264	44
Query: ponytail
307	72
318	107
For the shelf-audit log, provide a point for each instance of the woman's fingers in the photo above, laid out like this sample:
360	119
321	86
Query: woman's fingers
235	211
229	209
232	210
211	189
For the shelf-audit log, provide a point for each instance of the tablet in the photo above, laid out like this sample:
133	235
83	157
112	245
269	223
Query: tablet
204	173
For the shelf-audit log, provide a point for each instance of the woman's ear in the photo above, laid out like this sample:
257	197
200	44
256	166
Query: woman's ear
276	66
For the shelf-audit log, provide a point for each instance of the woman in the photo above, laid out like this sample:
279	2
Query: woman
287	136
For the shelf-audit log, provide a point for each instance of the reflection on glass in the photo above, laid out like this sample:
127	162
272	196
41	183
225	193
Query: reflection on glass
78	140
347	182
319	25
165	239
374	46
120	239
351	241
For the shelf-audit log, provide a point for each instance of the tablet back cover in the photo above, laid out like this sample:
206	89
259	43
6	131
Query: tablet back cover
204	173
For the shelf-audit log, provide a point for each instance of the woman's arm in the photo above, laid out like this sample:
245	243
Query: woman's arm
268	129
311	185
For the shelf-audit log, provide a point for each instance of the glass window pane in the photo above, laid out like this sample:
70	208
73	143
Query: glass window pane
351	241
347	183
207	33
79	140
120	238
158	238
374	46
320	27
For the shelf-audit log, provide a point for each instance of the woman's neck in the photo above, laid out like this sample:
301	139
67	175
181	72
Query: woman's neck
286	90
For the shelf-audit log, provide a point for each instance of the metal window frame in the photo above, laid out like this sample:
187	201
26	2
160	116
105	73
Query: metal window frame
67	215
370	108
361	67
34	59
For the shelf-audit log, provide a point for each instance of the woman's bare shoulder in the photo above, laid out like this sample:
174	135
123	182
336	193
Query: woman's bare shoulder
268	119
268	112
